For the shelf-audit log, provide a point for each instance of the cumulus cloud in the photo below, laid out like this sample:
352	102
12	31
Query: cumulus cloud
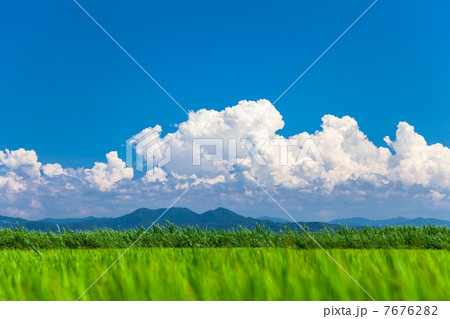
335	169
23	160
53	170
11	182
155	175
347	152
104	176
415	162
18	169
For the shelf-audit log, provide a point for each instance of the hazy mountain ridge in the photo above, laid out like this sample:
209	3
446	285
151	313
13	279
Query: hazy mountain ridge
220	218
274	219
398	221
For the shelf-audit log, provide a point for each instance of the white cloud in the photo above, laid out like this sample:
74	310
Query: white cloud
415	162
407	173
11	182
53	170
212	181
436	196
104	176
346	150
18	169
155	175
21	160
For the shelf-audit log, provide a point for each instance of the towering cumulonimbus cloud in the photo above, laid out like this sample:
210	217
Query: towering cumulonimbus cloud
415	162
334	164
345	149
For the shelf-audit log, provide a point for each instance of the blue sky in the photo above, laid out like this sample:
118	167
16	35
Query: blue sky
71	95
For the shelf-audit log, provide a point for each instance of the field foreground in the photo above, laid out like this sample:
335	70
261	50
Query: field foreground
405	237
224	274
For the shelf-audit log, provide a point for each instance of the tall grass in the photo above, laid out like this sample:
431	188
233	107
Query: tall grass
407	237
224	274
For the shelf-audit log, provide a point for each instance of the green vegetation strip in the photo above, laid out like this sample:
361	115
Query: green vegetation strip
407	237
224	274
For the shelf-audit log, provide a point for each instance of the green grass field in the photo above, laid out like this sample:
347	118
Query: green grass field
407	237
224	274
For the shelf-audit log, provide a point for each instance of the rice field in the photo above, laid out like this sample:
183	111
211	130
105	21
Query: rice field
407	237
224	274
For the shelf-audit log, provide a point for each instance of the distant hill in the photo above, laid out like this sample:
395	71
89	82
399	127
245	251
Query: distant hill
64	221
399	221
274	219
220	218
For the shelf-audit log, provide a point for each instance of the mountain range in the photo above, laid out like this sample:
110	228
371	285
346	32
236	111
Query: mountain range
220	218
399	221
